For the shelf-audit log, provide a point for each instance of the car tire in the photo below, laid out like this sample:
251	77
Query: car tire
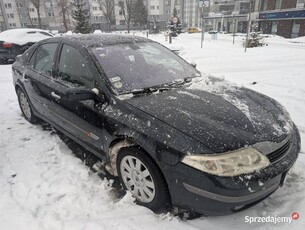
140	175
25	107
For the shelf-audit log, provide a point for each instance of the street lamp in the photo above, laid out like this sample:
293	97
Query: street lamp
249	24
202	4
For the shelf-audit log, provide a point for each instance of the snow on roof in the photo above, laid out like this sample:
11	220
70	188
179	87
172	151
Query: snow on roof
24	35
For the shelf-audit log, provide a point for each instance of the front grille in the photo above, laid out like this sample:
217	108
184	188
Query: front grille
279	153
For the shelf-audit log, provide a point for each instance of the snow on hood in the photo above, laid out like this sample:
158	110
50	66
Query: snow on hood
227	90
24	36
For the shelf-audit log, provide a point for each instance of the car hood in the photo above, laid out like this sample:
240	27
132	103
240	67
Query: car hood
221	116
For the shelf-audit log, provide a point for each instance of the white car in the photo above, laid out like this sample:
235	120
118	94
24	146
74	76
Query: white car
15	41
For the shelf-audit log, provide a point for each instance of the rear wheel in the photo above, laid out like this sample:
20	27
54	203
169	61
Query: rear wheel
25	107
139	174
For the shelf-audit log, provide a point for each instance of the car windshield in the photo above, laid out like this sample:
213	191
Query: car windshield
134	67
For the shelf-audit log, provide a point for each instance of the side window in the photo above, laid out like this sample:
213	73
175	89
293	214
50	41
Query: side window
43	58
74	68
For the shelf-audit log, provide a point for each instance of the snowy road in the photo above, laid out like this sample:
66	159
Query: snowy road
44	186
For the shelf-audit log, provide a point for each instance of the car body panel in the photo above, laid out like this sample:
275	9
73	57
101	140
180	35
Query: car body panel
206	117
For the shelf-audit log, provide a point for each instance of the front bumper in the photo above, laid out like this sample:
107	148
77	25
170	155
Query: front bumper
194	190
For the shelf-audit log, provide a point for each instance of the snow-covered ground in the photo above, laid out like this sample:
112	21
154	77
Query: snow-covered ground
44	186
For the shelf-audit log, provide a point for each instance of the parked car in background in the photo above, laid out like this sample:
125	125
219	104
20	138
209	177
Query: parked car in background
15	41
192	30
172	136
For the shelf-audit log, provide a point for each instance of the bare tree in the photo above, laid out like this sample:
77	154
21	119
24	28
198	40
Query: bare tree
127	10
37	4
107	7
26	5
63	6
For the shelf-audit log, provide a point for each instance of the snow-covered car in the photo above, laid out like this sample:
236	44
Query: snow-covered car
15	41
172	136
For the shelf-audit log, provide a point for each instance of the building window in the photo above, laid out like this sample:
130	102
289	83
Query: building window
12	25
8	5
157	7
32	10
152	7
300	4
122	22
10	15
95	8
19	5
295	29
51	14
121	4
278	4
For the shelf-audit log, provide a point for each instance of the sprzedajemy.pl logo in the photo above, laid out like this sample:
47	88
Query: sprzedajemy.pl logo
272	219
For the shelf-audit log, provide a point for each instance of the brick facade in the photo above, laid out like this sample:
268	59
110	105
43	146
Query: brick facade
284	28
288	4
270	4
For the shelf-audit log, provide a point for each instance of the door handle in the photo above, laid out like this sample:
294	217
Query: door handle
26	78
57	97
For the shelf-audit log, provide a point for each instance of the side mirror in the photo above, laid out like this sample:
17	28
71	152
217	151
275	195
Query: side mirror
80	94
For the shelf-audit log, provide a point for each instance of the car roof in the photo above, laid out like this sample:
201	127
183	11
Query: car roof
92	40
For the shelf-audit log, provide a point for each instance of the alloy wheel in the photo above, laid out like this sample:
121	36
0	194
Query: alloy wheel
137	179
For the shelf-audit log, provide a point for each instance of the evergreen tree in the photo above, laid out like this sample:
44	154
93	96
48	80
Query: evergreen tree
140	14
81	15
175	12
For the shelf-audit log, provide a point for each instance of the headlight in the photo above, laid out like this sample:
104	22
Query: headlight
233	163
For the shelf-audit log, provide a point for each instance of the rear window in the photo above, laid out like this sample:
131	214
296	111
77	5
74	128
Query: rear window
40	32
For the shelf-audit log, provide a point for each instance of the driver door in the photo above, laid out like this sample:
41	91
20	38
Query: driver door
79	118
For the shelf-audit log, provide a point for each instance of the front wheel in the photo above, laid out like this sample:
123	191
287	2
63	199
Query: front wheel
140	175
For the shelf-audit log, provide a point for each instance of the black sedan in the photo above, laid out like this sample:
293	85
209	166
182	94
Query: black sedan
172	136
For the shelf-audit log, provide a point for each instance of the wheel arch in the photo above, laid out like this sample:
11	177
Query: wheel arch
125	141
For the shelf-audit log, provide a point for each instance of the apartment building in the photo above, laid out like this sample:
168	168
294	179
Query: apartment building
54	14
283	17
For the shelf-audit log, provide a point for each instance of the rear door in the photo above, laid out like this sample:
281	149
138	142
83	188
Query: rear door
38	79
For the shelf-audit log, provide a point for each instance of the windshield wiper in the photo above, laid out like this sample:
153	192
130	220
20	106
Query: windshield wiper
163	87
149	90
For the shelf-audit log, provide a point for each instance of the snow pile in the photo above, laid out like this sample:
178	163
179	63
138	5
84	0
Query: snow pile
298	40
97	32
